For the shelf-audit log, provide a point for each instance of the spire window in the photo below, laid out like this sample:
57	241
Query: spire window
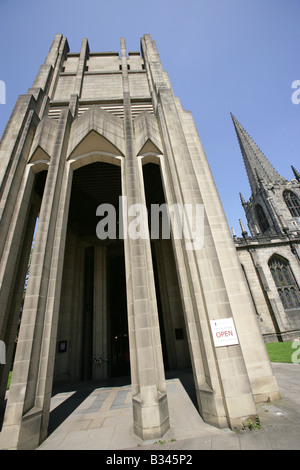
293	203
261	218
285	282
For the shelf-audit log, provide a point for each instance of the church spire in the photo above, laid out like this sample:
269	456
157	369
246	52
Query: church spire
258	167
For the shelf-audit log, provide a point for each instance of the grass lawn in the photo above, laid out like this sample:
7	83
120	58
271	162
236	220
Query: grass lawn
281	352
9	379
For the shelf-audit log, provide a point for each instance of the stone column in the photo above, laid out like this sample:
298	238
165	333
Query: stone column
81	67
16	230
15	264
150	408
100	327
13	172
27	410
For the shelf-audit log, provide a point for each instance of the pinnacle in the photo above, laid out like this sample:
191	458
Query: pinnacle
296	173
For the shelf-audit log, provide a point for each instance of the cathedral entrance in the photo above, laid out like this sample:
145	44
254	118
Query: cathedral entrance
92	338
105	344
119	345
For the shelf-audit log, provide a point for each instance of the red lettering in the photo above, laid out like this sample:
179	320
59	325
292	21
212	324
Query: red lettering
220	334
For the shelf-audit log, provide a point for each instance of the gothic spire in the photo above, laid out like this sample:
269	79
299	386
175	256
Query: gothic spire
258	167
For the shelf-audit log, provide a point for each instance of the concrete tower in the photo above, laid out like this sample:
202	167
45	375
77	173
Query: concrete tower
102	133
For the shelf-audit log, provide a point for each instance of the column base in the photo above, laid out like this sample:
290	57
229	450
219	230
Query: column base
236	415
23	436
151	421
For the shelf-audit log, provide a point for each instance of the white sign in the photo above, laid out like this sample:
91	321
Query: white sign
2	352
224	332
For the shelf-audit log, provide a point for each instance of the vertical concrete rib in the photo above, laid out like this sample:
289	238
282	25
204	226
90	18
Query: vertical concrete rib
22	423
150	409
84	52
14	265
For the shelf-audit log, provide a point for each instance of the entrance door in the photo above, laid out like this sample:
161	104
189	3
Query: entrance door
93	301
119	347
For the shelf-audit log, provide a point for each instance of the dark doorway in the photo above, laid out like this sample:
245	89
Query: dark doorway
87	323
117	330
96	332
119	342
170	311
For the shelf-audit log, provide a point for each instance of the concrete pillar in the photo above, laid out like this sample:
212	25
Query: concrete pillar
15	211
150	408
11	307
81	67
13	159
27	410
100	320
55	58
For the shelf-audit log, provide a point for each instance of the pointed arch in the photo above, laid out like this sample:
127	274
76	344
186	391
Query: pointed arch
94	142
41	148
39	165
92	157
292	201
96	130
287	287
261	218
149	148
39	154
147	136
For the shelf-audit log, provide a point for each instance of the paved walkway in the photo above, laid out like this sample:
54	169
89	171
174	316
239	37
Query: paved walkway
101	418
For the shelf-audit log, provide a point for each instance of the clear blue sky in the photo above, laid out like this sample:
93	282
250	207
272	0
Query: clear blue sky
222	56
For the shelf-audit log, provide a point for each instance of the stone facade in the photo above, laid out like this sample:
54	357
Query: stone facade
270	256
94	127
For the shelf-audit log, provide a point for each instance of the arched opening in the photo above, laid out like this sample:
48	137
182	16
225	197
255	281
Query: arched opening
92	339
32	223
175	347
24	233
261	218
287	287
170	310
293	203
